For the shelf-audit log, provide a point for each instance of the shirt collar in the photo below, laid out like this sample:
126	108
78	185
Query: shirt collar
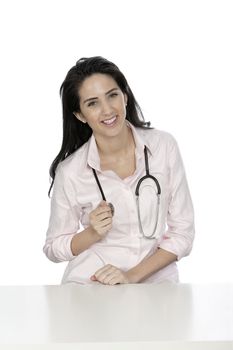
93	159
140	141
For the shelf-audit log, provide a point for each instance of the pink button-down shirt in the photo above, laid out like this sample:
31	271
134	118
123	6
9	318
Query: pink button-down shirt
76	194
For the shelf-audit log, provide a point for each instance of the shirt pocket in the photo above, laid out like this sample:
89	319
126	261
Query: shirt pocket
86	209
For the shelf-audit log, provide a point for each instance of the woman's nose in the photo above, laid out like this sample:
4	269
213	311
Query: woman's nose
106	108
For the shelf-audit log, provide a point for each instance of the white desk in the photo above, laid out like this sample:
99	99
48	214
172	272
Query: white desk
163	316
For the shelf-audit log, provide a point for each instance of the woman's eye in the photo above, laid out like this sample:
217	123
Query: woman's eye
91	104
114	94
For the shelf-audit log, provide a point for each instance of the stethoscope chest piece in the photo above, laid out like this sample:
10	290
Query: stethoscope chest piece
111	208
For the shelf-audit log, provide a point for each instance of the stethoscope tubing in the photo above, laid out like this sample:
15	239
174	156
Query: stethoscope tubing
147	176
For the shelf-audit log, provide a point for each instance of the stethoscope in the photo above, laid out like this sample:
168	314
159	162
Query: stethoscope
137	191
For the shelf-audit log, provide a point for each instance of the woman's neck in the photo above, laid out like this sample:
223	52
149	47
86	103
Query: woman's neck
118	146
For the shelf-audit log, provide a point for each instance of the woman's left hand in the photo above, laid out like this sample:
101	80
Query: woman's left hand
111	275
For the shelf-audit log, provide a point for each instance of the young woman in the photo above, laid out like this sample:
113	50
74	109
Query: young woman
121	210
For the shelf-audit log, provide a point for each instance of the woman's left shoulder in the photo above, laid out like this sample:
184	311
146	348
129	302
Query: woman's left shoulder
155	137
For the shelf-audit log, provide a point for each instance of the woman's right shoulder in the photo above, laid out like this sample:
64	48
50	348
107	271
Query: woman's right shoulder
75	162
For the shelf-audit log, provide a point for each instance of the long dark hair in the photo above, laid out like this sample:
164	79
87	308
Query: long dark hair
76	133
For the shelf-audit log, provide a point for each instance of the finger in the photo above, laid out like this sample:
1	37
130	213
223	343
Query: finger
113	275
119	278
102	210
115	280
105	277
96	223
102	269
102	224
107	226
104	216
104	230
93	278
103	272
102	203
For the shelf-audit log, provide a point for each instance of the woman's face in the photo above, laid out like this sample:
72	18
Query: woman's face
102	105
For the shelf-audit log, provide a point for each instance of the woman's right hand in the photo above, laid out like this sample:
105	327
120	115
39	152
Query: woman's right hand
101	219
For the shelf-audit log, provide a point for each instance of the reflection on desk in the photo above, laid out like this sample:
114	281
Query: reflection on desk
142	316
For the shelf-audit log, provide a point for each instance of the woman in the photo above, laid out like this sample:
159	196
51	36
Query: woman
97	223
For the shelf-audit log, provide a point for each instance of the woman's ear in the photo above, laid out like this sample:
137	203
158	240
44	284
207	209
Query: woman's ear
126	99
79	116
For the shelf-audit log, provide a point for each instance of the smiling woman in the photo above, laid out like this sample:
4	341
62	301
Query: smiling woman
105	112
107	150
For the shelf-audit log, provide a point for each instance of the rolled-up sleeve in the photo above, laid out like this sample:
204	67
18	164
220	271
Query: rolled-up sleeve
179	236
63	222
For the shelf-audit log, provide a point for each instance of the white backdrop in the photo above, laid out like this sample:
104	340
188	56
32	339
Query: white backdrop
177	57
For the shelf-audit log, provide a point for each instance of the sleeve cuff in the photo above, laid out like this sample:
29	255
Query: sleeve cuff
61	248
175	247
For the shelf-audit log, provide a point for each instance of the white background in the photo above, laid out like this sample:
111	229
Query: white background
178	59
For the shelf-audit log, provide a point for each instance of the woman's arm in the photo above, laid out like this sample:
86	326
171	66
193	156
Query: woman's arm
62	240
110	274
100	224
83	240
179	236
150	265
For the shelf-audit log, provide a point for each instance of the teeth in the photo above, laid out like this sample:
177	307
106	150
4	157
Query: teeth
109	121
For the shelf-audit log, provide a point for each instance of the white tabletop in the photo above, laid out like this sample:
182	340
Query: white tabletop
142	316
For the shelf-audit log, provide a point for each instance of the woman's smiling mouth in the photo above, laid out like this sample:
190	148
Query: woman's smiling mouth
109	122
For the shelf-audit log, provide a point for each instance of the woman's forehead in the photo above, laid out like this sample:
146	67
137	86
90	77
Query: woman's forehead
96	84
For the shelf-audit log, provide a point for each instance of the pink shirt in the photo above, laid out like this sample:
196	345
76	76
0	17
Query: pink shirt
76	194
